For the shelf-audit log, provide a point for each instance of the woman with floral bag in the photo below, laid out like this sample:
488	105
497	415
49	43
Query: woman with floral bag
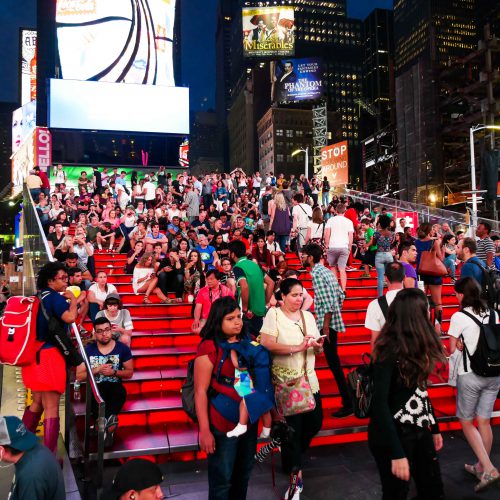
292	337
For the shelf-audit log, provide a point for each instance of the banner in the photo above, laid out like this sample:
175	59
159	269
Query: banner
411	220
297	80
184	153
268	31
335	164
23	124
43	148
116	41
28	66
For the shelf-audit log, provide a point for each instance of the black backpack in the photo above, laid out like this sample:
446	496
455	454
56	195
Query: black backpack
265	204
360	386
490	285
485	361
187	389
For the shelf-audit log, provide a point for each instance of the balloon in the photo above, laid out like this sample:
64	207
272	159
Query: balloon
74	290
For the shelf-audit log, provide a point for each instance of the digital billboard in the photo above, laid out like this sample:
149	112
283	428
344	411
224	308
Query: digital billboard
295	80
116	41
335	164
23	124
81	105
268	32
28	66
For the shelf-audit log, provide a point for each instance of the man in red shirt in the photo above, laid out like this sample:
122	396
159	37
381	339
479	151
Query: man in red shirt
44	179
206	296
352	214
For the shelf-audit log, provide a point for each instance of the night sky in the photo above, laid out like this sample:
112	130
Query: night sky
198	44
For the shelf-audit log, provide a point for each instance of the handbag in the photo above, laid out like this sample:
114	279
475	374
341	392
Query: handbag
295	396
431	265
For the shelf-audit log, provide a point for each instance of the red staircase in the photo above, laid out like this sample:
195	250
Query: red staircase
153	421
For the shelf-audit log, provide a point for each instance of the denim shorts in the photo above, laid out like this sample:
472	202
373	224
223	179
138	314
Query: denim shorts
476	395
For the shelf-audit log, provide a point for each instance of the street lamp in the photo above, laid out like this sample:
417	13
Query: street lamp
474	191
306	151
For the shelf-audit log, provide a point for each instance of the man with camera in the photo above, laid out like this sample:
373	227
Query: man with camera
111	363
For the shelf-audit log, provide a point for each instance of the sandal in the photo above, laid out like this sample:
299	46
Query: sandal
111	426
366	275
146	300
472	469
487	479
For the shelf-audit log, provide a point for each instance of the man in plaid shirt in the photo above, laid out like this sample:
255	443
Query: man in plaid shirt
328	300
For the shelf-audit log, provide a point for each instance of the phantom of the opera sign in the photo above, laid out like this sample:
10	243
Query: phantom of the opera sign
268	32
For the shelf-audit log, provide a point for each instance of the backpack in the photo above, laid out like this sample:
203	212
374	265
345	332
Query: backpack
490	285
265	204
485	361
187	389
384	305
18	343
360	386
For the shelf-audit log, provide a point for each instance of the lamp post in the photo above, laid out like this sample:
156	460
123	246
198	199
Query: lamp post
473	130
306	151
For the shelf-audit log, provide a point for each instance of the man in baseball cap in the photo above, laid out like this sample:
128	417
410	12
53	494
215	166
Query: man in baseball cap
38	474
137	479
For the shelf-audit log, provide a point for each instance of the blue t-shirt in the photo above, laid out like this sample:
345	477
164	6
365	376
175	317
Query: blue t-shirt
119	355
55	305
472	270
206	254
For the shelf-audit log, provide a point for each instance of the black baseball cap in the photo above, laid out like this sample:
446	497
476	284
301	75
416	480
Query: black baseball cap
137	474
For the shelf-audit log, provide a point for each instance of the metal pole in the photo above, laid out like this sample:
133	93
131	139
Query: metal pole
307	161
473	179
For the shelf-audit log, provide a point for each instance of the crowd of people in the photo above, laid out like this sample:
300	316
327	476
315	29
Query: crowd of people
220	242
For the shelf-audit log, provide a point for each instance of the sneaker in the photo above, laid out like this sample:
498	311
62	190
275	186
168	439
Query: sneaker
345	411
298	490
350	268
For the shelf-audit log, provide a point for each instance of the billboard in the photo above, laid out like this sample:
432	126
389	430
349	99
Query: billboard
296	80
116	41
335	164
268	32
28	66
23	124
129	108
184	153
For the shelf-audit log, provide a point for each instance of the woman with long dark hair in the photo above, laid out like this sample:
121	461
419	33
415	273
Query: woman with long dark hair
46	377
476	395
230	460
403	433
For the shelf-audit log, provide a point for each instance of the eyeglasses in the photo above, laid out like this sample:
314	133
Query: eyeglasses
62	278
105	330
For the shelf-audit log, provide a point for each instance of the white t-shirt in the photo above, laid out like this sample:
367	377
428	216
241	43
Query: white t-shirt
149	191
340	227
303	212
374	316
99	294
461	324
273	247
318	230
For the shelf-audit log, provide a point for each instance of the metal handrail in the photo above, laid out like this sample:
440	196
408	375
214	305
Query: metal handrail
91	386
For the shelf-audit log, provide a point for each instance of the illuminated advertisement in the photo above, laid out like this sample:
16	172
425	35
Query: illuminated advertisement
184	153
28	66
335	164
23	124
296	80
269	31
121	41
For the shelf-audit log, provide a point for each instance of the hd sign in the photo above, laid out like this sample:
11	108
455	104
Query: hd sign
335	164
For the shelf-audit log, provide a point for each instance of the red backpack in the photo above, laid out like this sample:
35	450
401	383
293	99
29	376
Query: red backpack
18	343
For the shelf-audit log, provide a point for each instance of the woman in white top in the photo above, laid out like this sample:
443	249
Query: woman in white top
121	322
82	247
98	292
55	210
145	280
316	229
476	395
292	337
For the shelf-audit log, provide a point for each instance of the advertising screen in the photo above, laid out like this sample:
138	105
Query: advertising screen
116	40
268	32
107	106
296	80
335	164
23	124
28	66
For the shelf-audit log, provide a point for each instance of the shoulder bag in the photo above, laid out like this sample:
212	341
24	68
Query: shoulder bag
295	396
431	264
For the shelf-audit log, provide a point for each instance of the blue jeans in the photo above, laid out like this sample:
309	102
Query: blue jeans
450	263
229	468
326	199
282	239
381	259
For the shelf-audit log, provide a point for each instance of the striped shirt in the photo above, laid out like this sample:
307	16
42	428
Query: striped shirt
484	247
328	297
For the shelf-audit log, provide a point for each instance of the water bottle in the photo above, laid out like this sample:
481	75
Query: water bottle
421	286
76	391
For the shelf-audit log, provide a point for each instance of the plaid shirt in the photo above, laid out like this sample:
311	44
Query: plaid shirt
328	297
